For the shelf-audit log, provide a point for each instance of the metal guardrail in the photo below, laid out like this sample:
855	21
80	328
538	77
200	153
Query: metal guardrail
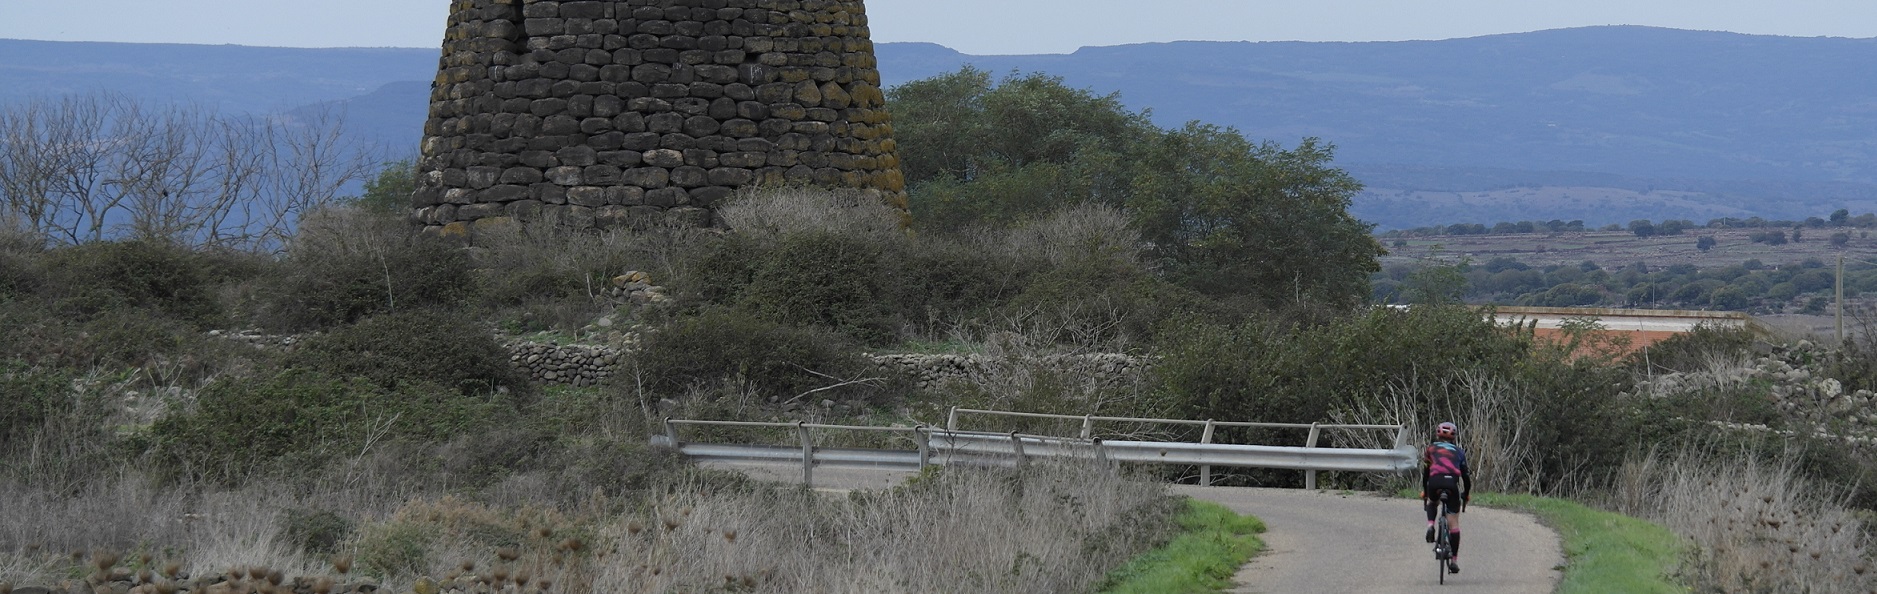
1208	425
953	446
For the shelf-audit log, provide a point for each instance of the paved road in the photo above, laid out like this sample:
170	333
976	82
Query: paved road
1356	544
1321	541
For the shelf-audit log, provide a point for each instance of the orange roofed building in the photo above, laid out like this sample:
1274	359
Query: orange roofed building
1644	327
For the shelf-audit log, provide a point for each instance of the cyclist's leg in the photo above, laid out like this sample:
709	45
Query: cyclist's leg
1453	528
1432	505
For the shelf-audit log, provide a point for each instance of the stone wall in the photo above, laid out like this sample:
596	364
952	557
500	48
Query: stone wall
583	365
608	113
932	371
575	365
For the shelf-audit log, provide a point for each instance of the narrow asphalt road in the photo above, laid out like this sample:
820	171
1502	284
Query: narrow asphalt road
1323	541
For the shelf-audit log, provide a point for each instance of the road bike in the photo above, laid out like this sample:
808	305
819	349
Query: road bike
1443	548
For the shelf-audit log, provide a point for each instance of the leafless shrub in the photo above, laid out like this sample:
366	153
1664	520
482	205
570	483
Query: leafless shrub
768	213
84	168
1080	233
1757	525
1493	415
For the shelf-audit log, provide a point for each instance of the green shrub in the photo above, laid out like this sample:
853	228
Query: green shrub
419	347
542	260
490	454
240	425
806	279
1102	305
89	279
1273	372
949	281
38	333
1693	351
720	347
613	467
34	395
301	419
826	280
718	271
347	265
394	548
315	531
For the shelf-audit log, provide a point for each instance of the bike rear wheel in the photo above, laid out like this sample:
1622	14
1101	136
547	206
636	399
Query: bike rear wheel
1443	548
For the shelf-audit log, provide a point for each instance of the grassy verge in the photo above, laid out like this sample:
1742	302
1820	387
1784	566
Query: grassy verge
1212	543
1604	551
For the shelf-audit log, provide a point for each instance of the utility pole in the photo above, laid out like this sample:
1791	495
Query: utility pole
1840	279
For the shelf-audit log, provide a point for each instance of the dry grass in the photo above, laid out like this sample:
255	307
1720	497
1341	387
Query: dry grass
1049	528
1045	528
1757	526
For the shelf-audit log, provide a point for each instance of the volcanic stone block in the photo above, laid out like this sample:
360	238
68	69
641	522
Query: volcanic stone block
614	112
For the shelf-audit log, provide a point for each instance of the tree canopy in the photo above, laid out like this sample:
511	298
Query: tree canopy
1222	214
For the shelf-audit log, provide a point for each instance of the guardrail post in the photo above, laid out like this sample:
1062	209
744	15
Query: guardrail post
671	432
1310	476
808	455
925	447
1088	426
951	420
1016	444
1101	453
1205	472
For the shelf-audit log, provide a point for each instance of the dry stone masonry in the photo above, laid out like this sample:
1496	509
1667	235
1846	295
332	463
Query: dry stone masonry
573	365
613	113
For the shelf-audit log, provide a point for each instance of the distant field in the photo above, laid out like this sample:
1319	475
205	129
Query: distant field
1611	249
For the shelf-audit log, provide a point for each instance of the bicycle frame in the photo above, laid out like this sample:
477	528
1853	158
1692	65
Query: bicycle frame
1442	547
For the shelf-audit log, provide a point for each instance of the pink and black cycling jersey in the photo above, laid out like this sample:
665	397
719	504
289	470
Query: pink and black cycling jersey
1444	459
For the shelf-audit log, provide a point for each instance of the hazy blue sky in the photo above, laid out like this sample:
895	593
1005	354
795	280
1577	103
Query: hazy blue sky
971	26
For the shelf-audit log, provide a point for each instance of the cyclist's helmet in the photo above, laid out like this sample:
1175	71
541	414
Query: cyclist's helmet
1445	430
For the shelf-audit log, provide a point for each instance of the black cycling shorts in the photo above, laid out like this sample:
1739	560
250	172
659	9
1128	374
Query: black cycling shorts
1450	485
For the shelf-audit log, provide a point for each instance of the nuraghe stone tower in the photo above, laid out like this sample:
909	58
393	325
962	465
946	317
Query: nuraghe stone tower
611	113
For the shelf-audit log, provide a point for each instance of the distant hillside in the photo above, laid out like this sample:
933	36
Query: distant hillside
253	79
1654	122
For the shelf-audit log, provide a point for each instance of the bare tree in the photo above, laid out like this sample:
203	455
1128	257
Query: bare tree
92	167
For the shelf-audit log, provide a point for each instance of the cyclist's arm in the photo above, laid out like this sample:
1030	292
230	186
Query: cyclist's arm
1466	481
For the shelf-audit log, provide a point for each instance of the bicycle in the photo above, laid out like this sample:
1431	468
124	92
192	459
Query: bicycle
1443	550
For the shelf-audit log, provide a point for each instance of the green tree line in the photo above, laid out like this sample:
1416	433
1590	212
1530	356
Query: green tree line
1805	287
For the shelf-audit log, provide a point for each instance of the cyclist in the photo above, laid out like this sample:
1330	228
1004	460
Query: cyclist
1444	469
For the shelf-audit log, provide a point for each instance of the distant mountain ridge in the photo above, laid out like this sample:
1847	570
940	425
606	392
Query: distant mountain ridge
1648	122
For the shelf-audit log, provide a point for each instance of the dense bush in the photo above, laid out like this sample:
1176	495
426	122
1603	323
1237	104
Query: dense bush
421	347
300	420
1695	350
33	396
39	333
1267	371
90	279
346	265
543	260
727	347
825	280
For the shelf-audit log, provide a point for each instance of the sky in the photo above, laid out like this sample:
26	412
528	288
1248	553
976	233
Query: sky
972	26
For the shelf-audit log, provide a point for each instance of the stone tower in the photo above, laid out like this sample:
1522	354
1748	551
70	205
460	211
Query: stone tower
615	112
